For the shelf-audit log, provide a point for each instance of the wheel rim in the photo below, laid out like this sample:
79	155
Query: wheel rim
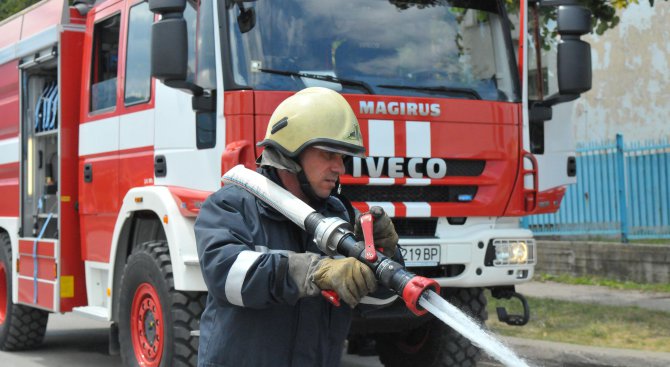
146	326
4	288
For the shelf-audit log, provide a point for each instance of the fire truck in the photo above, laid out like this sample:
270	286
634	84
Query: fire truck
118	118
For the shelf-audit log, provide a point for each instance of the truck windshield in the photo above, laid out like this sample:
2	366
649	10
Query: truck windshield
456	48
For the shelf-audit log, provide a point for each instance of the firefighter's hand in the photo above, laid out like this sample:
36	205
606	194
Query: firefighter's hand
348	277
383	231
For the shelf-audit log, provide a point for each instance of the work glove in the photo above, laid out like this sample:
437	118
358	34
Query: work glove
383	231
301	266
348	277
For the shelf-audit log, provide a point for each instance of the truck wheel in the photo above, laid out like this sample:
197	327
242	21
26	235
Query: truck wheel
155	320
434	343
21	327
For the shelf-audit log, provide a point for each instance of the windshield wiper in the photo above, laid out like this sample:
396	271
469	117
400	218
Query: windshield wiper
327	78
439	89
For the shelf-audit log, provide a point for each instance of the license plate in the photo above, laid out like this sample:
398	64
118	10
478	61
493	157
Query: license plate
421	255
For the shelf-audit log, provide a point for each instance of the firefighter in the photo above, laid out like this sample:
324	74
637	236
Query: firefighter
265	274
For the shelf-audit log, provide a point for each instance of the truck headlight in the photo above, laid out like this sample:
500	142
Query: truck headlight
514	252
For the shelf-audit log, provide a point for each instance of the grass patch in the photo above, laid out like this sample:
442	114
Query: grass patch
593	280
586	324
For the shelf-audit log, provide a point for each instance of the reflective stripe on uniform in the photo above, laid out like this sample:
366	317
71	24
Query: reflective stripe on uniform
236	275
266	250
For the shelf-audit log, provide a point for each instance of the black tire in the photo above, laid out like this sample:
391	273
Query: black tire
21	327
147	290
435	344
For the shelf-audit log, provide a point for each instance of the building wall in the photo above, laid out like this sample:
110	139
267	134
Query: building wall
637	263
631	79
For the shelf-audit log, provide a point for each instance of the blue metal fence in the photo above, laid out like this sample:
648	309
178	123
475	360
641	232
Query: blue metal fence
611	176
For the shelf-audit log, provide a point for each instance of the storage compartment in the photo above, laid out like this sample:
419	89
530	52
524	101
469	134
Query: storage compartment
40	141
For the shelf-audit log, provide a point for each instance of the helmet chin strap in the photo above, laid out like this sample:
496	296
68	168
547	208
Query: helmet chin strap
307	189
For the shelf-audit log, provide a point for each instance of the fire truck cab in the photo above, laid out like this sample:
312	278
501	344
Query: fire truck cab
118	118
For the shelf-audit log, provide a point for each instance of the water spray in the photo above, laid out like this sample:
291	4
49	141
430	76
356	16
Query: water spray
335	236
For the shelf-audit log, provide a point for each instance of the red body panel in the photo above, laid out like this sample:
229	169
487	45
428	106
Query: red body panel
135	166
70	256
105	180
46	267
9	128
116	172
240	132
9	100
45	260
9	189
44	248
45	293
189	201
96	236
465	129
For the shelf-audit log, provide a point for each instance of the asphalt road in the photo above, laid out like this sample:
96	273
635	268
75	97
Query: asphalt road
76	341
70	341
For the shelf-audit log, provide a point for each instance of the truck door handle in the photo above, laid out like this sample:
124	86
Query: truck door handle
88	172
160	166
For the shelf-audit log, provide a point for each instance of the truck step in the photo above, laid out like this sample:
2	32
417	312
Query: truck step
94	312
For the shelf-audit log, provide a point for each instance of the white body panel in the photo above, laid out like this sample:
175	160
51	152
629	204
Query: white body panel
175	138
459	245
9	151
553	164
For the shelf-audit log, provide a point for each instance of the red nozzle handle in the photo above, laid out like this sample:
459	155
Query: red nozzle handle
331	296
366	225
413	290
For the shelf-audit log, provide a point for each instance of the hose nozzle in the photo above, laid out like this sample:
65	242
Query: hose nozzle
413	291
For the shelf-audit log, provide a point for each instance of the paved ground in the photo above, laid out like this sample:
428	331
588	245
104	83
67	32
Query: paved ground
75	341
596	294
550	354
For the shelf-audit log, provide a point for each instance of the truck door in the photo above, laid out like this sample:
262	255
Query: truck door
99	133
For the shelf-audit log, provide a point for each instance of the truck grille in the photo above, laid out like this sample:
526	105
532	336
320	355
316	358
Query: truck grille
468	168
407	193
415	227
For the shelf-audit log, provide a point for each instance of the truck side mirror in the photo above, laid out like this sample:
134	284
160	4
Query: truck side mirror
574	55
167	6
169	46
169	50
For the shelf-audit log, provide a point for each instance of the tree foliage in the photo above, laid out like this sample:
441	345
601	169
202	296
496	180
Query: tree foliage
604	12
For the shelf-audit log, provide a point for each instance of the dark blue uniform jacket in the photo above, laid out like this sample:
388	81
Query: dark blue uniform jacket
253	315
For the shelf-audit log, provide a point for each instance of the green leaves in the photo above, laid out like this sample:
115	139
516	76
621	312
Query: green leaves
604	12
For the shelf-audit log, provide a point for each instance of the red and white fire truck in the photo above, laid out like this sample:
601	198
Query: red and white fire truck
113	130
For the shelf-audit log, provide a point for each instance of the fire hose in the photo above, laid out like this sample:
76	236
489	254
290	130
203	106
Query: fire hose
334	236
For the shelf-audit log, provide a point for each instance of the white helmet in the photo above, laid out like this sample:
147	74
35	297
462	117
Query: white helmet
317	117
